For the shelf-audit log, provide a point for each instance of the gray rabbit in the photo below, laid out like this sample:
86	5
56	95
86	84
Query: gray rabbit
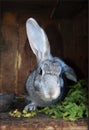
45	84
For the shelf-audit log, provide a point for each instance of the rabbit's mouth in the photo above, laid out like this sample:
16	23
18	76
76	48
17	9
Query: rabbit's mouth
50	93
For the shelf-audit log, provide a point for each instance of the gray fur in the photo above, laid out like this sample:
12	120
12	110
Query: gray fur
45	83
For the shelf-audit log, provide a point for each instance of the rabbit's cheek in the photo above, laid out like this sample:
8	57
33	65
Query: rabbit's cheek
60	82
37	85
56	93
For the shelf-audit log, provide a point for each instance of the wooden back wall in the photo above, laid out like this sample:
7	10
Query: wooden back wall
68	40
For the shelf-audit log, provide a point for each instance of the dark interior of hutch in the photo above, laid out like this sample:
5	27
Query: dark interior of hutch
66	25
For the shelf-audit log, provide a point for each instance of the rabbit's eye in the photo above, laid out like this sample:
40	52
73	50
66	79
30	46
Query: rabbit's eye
40	71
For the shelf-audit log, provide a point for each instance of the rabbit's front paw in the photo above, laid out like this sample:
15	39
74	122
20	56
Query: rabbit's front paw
31	107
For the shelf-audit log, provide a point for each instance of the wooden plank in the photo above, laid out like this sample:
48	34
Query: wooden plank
40	123
8	54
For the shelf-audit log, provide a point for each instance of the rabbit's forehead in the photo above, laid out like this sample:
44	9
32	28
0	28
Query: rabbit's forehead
51	66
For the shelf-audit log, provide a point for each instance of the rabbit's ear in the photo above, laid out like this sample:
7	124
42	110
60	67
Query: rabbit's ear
67	70
38	40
